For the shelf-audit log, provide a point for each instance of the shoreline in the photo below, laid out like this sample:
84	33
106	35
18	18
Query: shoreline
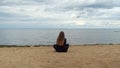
52	45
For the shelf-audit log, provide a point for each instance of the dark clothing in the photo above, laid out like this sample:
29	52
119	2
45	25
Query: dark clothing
63	48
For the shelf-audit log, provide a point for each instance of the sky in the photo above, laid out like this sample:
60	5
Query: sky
59	13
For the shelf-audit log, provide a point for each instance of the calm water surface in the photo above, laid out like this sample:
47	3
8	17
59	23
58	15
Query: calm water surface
48	36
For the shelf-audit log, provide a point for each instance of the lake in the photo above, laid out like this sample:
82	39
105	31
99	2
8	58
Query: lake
49	36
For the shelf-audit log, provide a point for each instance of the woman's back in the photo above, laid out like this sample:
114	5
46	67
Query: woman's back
61	45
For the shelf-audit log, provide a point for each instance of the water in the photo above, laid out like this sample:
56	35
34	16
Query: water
48	36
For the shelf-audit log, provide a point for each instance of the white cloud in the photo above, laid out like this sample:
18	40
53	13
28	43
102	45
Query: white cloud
80	22
62	12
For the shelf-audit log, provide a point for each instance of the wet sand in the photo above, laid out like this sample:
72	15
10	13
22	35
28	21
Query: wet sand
92	56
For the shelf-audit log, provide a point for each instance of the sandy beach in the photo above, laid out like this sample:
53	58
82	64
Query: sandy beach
93	56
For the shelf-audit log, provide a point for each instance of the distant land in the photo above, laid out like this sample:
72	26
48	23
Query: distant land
53	28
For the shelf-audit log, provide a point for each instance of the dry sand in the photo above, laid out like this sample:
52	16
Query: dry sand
96	56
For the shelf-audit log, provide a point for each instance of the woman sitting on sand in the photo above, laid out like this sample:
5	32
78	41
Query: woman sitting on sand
61	45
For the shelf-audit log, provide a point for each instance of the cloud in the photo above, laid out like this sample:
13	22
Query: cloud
74	13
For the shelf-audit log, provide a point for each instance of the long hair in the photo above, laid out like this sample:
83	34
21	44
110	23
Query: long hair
61	39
